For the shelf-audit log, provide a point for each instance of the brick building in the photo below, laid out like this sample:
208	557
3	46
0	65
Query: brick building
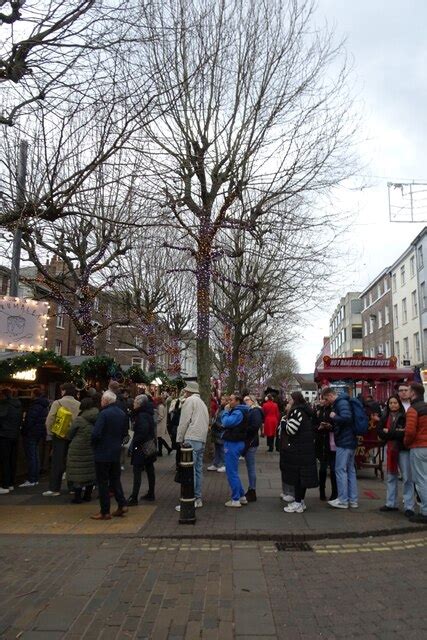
377	321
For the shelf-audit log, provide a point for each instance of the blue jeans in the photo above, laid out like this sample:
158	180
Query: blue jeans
218	460
31	448
345	472
198	451
233	451
250	466
418	457
408	484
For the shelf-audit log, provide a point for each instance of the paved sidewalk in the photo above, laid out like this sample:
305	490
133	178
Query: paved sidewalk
26	511
93	588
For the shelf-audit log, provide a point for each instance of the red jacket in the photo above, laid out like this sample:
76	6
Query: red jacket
271	417
416	426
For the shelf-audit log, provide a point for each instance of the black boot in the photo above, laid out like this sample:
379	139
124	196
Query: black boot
87	496
149	497
132	501
77	496
250	495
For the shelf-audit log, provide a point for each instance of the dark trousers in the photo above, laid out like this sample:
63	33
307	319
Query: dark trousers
161	442
323	472
32	454
108	477
8	455
58	462
299	491
137	474
270	443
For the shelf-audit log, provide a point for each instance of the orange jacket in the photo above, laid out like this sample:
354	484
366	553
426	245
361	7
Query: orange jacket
416	426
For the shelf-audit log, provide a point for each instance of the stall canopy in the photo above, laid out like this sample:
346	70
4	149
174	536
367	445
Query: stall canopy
362	368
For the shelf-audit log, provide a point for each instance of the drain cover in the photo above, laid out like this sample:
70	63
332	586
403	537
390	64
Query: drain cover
293	546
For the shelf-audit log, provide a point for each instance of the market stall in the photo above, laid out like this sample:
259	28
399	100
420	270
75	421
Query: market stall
364	376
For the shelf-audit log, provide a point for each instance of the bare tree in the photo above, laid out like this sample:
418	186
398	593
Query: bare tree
79	257
261	121
50	47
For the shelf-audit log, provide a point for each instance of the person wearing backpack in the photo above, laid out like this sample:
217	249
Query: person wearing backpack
345	435
235	422
58	422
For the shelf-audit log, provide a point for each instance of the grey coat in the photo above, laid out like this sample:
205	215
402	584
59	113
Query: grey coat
80	462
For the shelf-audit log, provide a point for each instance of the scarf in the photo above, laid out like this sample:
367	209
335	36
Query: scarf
392	449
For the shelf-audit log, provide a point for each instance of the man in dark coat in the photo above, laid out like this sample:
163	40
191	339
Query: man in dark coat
110	429
33	432
10	425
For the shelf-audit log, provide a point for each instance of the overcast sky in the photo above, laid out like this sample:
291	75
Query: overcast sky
386	40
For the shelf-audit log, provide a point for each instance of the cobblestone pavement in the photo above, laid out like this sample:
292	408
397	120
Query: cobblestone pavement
90	587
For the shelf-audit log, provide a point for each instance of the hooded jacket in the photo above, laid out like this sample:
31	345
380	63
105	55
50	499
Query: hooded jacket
35	418
144	429
10	418
80	461
344	435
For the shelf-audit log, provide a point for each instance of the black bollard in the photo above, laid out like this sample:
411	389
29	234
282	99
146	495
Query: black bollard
187	514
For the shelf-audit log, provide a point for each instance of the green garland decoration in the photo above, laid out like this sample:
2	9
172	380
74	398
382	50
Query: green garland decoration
99	367
32	360
137	375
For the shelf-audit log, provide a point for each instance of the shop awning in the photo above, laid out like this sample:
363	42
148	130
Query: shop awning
375	374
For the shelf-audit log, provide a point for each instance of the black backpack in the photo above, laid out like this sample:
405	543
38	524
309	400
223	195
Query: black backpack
238	433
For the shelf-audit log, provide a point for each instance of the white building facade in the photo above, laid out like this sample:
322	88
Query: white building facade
406	309
345	327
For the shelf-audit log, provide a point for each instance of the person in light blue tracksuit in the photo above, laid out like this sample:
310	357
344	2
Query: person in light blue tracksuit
234	421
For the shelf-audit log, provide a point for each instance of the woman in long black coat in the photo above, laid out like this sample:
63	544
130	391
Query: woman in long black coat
297	454
144	431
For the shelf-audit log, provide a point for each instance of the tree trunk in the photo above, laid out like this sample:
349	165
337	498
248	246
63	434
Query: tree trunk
232	384
88	344
203	279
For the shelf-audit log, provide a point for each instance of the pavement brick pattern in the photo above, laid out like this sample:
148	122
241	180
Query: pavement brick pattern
83	587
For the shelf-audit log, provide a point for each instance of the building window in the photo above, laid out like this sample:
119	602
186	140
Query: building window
423	295
380	319
414	304
78	350
396	315
397	350
380	351
402	275
371	324
412	266
404	311
405	348
372	352
356	331
60	317
417	348
58	347
108	334
365	328
394	283
420	258
379	291
386	315
370	298
387	349
365	302
137	361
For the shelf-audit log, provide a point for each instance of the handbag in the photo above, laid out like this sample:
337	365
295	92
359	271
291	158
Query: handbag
149	448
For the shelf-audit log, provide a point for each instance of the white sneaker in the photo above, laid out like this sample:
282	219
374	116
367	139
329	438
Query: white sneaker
11	488
122	468
337	504
287	498
241	458
233	503
50	494
178	507
304	506
354	505
198	503
212	468
221	469
243	500
27	483
294	507
3	491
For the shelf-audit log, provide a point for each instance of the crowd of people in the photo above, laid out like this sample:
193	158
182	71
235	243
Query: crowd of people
92	436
